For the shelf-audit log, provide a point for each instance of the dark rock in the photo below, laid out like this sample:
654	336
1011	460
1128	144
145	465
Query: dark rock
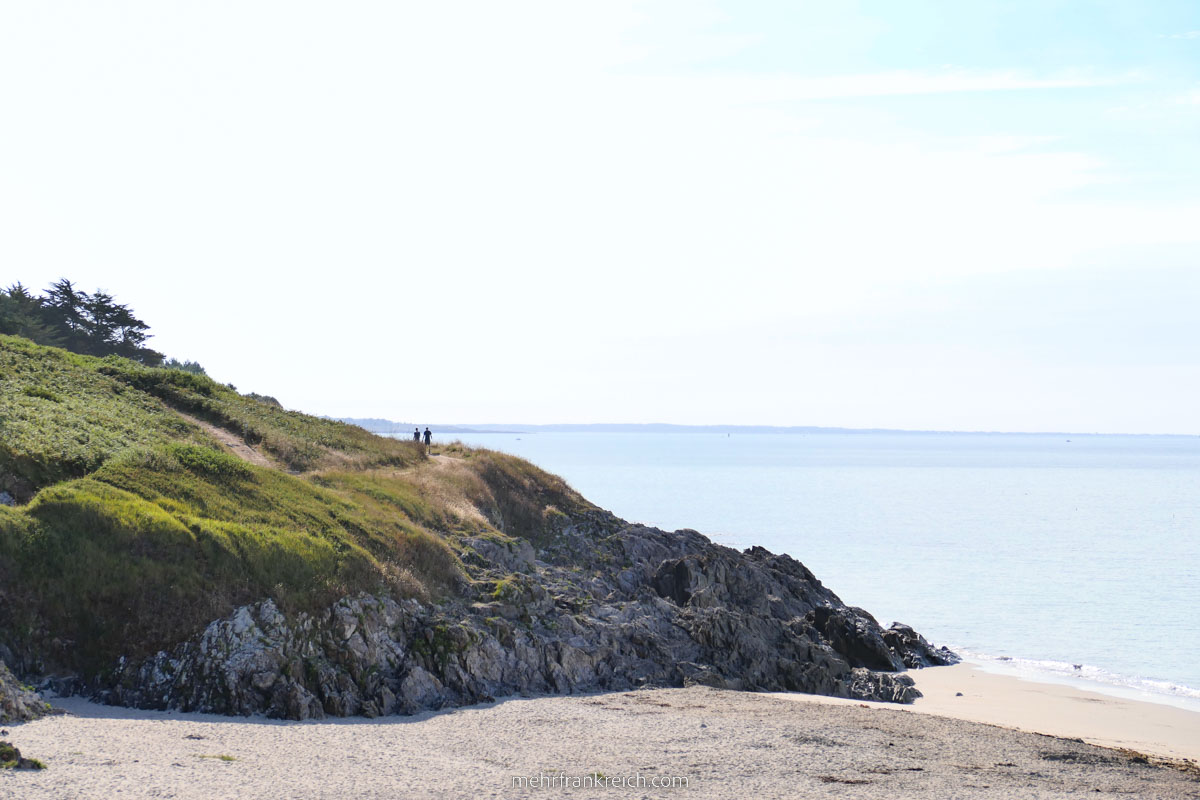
657	609
10	758
914	651
14	489
856	635
61	685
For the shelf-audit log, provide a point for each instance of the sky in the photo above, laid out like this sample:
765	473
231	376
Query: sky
925	215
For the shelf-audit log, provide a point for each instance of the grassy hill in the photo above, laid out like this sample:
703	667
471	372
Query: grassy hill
134	523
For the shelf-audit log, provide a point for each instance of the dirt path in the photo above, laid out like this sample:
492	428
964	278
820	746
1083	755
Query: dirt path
235	443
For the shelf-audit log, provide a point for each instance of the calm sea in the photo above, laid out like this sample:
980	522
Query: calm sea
1049	550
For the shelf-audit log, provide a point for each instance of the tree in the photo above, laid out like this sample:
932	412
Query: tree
64	309
111	328
187	366
22	314
94	324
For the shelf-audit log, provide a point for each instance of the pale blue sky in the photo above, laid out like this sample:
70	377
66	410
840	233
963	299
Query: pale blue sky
947	215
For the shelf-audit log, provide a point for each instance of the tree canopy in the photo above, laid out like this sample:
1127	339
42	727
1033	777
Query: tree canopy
64	316
187	366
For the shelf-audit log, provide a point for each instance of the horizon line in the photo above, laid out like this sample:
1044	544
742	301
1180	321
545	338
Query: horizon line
505	427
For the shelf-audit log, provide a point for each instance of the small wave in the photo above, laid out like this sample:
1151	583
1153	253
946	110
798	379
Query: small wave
1096	678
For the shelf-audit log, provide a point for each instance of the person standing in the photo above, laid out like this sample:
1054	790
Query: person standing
428	436
416	434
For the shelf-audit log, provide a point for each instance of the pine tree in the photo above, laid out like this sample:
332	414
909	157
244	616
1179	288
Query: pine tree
64	306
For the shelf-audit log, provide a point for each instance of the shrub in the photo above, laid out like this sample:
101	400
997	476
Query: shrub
42	392
187	366
207	461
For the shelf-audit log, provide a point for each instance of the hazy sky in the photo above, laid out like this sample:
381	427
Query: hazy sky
947	215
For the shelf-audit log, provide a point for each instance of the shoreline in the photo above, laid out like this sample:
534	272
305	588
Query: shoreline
1108	683
1059	709
1052	709
724	742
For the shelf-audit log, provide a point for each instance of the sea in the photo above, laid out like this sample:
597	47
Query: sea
1060	557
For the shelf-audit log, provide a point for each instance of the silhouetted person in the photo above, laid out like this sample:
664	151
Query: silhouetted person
428	436
416	434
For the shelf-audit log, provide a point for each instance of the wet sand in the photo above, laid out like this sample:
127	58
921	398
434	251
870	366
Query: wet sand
1059	710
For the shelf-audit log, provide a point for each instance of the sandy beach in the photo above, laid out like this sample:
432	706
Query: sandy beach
1059	710
717	744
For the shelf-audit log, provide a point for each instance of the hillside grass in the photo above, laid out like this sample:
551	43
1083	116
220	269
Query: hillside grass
61	418
156	543
299	441
140	529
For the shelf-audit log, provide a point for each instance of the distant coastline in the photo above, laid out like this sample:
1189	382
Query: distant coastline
377	425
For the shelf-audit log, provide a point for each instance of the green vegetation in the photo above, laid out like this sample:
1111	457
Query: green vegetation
507	589
62	415
10	758
61	418
300	442
187	366
135	526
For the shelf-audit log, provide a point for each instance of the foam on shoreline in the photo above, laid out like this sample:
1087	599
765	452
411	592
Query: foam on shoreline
1088	678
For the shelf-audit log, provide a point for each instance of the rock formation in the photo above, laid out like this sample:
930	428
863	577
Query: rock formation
601	605
17	703
10	758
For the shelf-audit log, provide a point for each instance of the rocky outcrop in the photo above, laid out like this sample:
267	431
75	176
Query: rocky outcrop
18	703
650	608
14	490
10	758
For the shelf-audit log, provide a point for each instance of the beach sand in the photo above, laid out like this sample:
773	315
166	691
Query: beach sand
1059	710
726	744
